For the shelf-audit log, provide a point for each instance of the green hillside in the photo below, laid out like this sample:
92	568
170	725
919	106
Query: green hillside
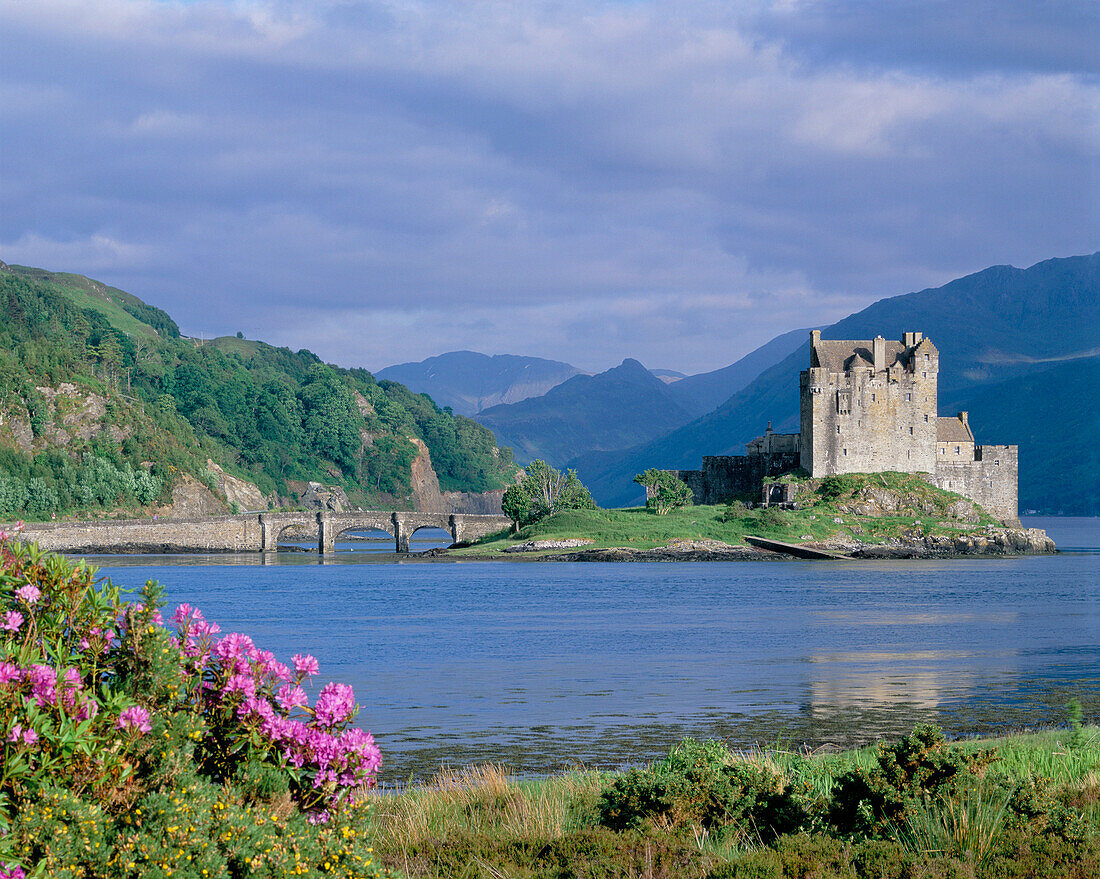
104	404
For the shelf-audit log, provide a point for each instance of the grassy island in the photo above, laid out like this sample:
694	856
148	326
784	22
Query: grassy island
862	508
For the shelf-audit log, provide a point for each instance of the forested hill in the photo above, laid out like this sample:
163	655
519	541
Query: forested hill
104	404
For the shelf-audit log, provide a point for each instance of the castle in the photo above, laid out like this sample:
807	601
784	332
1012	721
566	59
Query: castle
866	407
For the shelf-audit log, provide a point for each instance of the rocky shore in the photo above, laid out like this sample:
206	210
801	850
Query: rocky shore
992	542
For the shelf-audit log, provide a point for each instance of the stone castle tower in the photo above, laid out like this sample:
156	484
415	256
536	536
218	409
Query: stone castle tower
870	406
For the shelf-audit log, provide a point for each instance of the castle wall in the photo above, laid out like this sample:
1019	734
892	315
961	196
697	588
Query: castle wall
989	478
724	477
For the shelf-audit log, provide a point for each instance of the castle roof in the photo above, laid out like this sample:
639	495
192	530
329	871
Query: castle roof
840	356
953	430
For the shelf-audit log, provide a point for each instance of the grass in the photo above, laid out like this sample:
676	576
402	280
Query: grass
497	824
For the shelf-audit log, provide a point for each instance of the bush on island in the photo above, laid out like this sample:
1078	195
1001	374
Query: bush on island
130	749
665	492
542	492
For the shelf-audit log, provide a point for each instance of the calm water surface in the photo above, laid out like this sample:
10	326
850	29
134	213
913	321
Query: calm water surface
547	665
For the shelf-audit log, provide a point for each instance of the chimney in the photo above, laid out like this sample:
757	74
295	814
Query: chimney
907	339
964	417
879	348
815	337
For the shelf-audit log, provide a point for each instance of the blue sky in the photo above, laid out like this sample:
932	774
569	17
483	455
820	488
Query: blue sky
585	181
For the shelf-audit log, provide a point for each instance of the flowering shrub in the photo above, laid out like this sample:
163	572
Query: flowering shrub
254	707
129	749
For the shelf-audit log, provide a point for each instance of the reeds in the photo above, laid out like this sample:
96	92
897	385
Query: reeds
482	799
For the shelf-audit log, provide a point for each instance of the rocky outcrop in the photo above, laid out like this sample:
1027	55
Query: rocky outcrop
320	497
873	500
190	498
991	542
73	415
427	497
245	495
481	503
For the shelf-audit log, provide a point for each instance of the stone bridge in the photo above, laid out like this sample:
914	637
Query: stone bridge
247	532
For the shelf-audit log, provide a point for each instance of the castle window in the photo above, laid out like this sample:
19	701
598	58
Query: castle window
872	398
908	397
925	419
997	463
910	431
845	451
926	355
924	375
957	450
838	428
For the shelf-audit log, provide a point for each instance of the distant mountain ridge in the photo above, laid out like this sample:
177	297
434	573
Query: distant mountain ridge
624	405
997	330
469	382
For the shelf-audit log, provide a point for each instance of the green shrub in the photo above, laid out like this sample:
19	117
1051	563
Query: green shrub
703	785
774	519
907	776
734	510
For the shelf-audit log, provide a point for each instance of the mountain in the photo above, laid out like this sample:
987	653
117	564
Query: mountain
103	404
993	327
619	407
469	382
1056	431
703	392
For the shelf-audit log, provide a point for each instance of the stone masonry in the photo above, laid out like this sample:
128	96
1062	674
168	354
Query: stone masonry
869	407
247	532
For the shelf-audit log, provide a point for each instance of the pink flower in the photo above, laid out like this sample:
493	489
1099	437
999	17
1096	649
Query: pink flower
235	646
29	736
321	817
290	697
185	613
334	705
13	871
43	681
135	717
10	672
242	684
306	665
29	593
13	619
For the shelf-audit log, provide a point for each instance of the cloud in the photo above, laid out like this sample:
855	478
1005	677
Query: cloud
96	253
585	181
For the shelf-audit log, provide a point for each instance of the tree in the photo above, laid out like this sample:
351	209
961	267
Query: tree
664	492
331	418
542	492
